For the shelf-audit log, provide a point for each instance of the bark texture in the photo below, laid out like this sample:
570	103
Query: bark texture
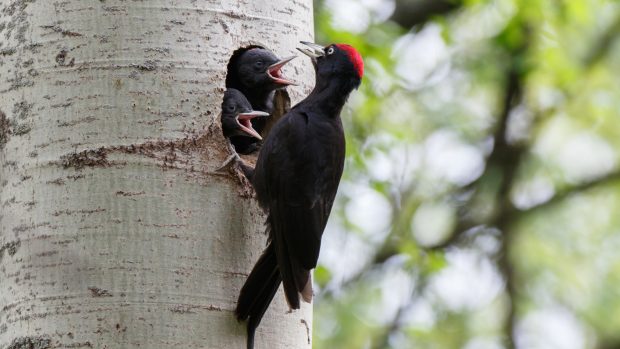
115	229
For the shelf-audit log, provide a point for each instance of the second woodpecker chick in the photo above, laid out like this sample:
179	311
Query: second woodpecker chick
237	116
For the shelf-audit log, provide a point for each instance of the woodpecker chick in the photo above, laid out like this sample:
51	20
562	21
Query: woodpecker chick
257	73
237	115
296	178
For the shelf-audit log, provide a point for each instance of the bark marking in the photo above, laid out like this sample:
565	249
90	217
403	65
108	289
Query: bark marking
97	292
303	321
86	158
10	248
4	129
40	342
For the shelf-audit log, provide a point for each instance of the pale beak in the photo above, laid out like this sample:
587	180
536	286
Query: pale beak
276	75
244	121
313	50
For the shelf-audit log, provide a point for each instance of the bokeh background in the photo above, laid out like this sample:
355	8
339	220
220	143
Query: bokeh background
480	205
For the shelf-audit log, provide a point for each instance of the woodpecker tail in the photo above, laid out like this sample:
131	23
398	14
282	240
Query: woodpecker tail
258	291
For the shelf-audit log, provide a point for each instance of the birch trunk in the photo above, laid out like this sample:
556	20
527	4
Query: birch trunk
115	229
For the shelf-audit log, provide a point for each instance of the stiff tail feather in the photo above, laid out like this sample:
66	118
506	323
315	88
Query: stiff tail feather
295	278
258	291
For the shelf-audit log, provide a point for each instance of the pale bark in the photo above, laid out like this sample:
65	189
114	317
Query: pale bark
115	229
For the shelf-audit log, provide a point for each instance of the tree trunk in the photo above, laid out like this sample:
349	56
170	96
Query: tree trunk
115	229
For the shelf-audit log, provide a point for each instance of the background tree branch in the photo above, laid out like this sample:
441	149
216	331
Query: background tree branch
410	13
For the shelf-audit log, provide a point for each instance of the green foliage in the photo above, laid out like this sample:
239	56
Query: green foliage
531	207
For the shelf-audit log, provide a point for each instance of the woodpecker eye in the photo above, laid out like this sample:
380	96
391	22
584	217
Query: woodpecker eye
330	50
258	64
231	108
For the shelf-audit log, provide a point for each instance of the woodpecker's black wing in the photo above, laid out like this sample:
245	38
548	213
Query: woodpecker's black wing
296	179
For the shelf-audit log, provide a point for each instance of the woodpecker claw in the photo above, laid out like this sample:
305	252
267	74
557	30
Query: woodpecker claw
235	159
228	162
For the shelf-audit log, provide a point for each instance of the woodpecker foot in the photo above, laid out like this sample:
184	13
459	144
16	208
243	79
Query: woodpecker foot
230	161
235	159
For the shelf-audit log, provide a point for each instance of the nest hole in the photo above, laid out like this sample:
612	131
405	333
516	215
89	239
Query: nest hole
243	144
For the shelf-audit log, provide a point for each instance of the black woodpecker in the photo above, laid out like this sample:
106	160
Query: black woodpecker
296	178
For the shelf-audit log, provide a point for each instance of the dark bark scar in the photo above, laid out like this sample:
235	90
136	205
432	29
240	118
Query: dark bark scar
38	342
86	158
4	129
303	321
97	292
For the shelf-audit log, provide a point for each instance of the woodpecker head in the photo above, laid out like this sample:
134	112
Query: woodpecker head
259	68
335	61
237	114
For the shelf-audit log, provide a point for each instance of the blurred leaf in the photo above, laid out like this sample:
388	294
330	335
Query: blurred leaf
322	275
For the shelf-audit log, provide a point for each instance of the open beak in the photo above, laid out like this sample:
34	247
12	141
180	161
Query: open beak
245	123
274	72
312	50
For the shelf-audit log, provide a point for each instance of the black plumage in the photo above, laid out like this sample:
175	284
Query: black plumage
296	178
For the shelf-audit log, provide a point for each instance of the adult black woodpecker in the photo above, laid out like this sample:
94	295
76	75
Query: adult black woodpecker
257	73
237	114
296	178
